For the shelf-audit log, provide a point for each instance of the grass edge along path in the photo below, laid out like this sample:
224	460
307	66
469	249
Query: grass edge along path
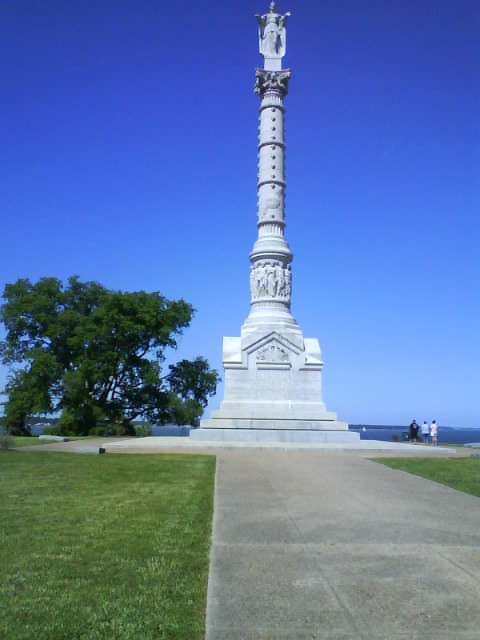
33	441
462	474
104	546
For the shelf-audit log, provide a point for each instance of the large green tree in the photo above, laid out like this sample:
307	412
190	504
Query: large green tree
93	354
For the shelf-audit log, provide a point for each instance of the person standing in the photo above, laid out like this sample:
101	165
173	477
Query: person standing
434	433
425	432
413	431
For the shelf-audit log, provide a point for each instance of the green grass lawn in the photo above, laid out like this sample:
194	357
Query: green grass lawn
110	546
459	473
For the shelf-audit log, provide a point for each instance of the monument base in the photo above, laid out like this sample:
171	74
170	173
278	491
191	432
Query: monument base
273	389
273	435
273	423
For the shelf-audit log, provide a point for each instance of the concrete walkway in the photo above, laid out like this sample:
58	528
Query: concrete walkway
337	547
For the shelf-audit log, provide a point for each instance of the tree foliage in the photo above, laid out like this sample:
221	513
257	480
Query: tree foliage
94	354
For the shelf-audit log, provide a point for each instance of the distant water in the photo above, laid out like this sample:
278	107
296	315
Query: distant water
168	430
171	431
446	435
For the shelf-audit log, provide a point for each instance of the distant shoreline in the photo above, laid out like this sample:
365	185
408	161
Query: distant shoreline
446	435
403	427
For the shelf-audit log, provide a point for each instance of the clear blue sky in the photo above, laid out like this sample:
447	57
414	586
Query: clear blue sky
128	136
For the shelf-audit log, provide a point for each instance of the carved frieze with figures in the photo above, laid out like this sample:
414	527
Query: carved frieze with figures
270	279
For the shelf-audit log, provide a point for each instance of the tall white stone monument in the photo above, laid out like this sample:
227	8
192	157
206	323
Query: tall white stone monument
272	374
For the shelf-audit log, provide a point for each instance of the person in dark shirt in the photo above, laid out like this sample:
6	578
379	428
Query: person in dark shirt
413	431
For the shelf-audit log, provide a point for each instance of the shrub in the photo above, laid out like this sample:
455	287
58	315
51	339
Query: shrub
124	428
395	437
143	430
7	442
114	429
57	430
97	431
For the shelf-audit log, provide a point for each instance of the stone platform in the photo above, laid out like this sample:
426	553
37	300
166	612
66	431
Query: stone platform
274	435
158	444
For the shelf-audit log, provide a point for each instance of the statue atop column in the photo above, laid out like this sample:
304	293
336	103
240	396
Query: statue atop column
272	33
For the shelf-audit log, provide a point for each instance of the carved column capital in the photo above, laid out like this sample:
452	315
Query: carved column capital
276	81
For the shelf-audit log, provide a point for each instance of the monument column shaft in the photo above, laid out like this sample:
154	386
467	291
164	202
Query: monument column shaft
271	167
270	272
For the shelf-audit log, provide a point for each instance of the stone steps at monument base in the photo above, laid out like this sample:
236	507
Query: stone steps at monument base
273	435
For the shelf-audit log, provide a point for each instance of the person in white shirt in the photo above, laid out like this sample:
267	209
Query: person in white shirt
425	432
434	432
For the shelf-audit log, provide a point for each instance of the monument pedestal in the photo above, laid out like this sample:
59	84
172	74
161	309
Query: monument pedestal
272	391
